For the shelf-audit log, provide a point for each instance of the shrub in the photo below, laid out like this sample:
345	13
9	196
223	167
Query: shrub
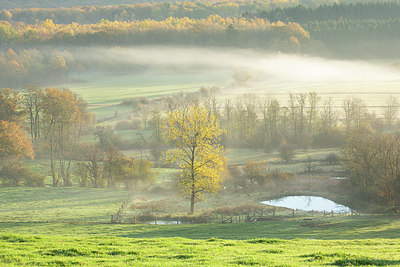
278	176
286	152
329	138
133	124
17	174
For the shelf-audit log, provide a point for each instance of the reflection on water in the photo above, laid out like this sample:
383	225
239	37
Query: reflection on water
307	203
164	222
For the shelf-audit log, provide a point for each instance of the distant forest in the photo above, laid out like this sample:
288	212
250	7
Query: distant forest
10	4
285	11
369	30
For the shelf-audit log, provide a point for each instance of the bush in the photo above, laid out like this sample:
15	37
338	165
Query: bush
332	159
133	124
286	152
16	174
35	179
329	138
278	176
135	102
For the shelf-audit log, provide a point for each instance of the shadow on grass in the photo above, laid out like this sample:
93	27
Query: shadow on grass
324	229
348	259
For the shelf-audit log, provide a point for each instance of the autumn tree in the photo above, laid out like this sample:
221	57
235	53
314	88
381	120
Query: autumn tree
11	105
14	142
193	133
64	115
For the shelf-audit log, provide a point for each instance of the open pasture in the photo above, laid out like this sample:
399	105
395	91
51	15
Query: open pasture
49	204
111	251
109	89
64	226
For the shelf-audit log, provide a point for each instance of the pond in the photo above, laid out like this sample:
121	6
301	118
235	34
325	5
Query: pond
307	203
163	222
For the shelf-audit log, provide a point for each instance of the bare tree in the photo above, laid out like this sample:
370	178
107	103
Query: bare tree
391	110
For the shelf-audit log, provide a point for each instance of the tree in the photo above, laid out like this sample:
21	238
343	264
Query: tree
355	113
255	172
391	110
286	151
312	112
374	162
32	103
194	133
156	144
241	77
138	174
10	105
90	165
64	115
14	142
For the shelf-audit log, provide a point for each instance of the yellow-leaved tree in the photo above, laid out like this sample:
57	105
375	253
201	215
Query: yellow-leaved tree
193	134
14	142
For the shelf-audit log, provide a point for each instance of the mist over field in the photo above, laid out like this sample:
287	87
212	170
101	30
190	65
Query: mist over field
263	65
159	70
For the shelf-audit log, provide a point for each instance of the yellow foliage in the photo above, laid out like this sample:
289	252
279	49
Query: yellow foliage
194	133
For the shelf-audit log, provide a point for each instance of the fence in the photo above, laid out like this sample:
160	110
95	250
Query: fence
238	214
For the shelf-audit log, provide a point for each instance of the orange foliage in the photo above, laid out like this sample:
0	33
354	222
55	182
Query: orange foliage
14	142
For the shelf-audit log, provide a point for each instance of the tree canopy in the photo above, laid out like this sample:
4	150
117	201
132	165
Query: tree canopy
193	133
14	142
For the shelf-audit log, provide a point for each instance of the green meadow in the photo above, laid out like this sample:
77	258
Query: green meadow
65	226
108	89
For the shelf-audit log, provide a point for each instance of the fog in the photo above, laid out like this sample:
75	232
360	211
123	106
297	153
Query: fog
262	65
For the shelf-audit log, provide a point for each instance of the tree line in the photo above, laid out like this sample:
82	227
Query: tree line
262	121
369	140
350	29
378	10
56	120
213	30
33	66
91	14
191	131
274	10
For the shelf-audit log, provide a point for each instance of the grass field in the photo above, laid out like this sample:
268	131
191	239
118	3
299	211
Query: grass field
112	89
30	204
64	226
50	250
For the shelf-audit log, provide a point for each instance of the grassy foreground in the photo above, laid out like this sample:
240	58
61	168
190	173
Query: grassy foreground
50	250
65	226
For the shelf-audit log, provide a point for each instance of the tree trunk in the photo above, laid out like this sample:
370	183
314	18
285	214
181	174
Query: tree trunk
52	165
192	200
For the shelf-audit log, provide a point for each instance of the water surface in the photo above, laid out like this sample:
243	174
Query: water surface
307	203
